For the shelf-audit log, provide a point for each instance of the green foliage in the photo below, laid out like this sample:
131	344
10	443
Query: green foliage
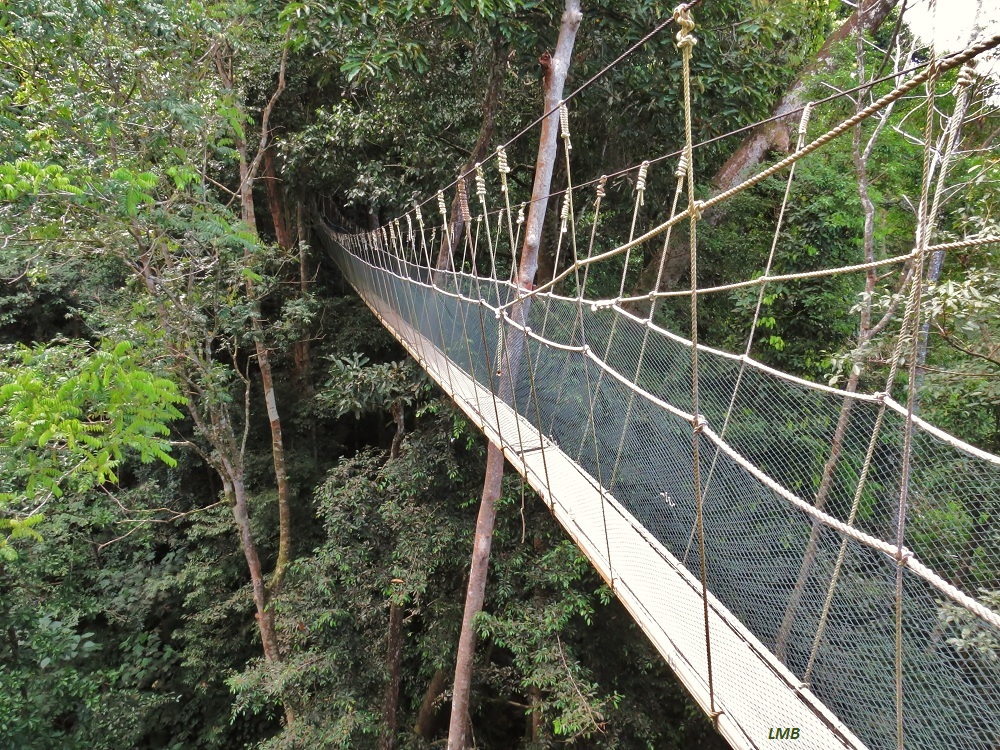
116	178
70	415
355	386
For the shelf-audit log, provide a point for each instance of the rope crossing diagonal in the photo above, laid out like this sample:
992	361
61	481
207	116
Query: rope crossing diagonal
691	477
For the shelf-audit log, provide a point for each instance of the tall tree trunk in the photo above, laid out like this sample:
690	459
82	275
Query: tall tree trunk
248	173
755	148
300	349
212	420
394	639
776	135
427	718
494	88
267	380
394	661
555	79
276	203
860	156
236	490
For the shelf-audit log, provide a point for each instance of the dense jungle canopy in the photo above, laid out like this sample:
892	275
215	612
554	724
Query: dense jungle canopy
233	512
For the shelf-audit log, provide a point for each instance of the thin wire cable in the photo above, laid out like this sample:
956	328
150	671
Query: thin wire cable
700	144
901	90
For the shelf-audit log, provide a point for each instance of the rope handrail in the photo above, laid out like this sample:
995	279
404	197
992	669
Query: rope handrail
818	515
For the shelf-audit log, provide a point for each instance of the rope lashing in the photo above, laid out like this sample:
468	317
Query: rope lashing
463	202
503	167
564	124
640	183
804	122
601	189
685	39
682	167
520	214
564	214
499	342
480	182
967	76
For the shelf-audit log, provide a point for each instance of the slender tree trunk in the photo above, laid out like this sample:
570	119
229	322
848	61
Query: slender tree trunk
235	489
427	718
394	639
280	470
248	170
860	157
555	79
458	730
212	420
394	661
276	203
270	401
300	349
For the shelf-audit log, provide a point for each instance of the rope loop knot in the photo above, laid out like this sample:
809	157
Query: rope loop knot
640	183
520	214
503	167
564	124
967	75
441	205
602	185
480	182
682	167
685	39
463	201
564	214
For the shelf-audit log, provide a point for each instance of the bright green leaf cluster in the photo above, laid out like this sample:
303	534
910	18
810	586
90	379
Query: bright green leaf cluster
69	417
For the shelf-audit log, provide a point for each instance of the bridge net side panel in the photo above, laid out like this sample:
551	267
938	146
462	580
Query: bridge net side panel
611	394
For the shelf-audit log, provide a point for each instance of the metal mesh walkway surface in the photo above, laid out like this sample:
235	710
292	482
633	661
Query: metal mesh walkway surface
611	455
815	564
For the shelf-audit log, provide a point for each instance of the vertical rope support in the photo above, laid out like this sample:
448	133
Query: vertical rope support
779	225
463	205
686	42
924	225
640	200
680	175
569	218
445	232
423	235
954	126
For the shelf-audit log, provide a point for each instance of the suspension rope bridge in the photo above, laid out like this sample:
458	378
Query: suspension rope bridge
782	543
